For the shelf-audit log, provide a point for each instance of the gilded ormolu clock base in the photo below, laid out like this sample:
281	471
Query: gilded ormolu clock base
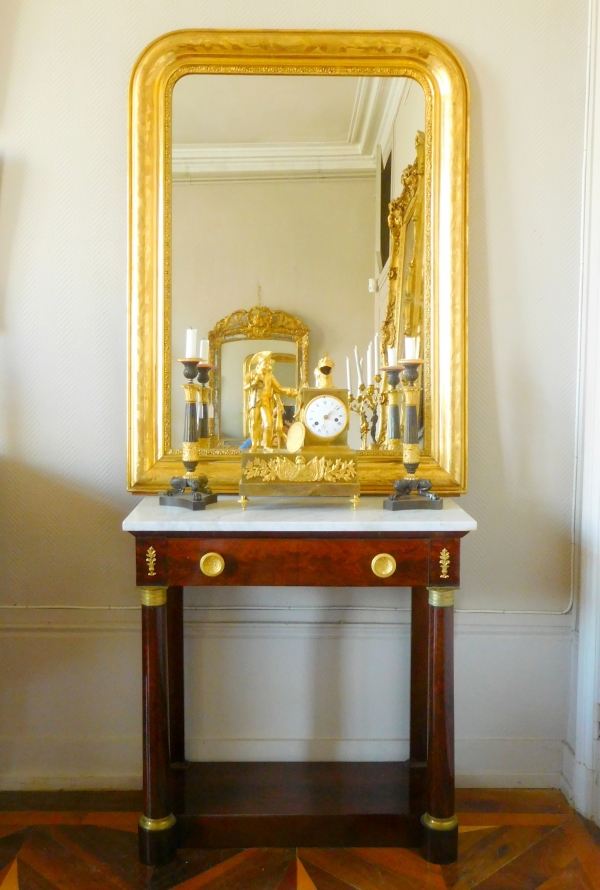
324	472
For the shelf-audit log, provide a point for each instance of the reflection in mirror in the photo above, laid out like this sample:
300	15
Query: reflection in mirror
285	372
280	186
236	362
233	342
403	326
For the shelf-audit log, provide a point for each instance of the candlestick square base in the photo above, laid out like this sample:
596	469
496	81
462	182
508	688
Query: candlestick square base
413	502
190	501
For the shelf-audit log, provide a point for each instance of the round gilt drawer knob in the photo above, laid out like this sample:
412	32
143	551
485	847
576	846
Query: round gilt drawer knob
383	565
212	564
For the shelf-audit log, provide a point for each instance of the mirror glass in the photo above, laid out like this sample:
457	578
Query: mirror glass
280	186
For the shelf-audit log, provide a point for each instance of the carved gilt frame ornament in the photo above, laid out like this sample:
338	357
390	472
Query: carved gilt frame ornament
408	314
402	210
151	463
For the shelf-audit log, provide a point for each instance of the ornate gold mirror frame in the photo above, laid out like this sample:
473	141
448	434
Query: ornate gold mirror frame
151	463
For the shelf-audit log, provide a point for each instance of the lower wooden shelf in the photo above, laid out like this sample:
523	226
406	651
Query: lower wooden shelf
222	805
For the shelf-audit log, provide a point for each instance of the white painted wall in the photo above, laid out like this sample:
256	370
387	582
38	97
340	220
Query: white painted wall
69	698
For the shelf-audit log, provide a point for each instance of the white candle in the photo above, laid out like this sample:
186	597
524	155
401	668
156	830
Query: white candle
410	347
348	374
392	356
358	364
191	335
369	365
211	411
203	356
376	353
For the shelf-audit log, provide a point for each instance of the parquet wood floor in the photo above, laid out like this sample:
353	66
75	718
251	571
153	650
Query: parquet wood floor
509	840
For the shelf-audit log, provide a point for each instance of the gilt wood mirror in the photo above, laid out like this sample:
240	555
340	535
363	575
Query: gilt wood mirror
309	135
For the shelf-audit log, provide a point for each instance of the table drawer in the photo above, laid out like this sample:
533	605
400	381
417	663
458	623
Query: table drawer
322	562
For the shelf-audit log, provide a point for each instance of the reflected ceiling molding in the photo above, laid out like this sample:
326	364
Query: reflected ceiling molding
303	160
375	107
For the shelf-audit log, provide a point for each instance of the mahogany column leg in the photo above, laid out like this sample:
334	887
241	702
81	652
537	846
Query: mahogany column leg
439	822
156	831
418	698
176	696
175	673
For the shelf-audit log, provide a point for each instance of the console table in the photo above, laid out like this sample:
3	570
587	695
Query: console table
326	544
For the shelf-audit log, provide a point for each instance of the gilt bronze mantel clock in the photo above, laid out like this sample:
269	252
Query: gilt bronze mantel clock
317	459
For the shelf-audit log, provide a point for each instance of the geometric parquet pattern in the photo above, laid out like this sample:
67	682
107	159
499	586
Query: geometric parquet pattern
508	840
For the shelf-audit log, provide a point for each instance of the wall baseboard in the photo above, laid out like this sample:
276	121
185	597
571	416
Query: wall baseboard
259	690
98	764
508	763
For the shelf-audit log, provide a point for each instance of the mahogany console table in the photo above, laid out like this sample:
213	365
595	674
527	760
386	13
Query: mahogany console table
327	544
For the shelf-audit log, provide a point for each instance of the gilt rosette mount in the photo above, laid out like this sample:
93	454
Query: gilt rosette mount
411	493
317	459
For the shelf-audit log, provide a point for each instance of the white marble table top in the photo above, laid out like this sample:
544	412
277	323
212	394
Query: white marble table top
296	515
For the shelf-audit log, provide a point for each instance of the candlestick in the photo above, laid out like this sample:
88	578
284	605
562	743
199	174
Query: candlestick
410	347
394	441
358	371
412	493
195	434
191	336
368	398
204	412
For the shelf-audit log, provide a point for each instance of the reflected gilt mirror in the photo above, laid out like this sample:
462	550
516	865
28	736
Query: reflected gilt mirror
302	193
233	343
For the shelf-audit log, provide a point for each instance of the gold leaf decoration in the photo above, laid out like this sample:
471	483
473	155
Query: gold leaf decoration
318	469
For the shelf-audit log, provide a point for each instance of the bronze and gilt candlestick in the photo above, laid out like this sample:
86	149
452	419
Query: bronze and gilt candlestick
369	398
204	403
195	435
394	428
412	493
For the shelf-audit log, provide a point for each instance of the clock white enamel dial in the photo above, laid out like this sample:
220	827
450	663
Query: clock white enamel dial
326	417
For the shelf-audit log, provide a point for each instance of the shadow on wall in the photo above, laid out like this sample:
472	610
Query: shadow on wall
69	705
62	545
10	13
12	178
